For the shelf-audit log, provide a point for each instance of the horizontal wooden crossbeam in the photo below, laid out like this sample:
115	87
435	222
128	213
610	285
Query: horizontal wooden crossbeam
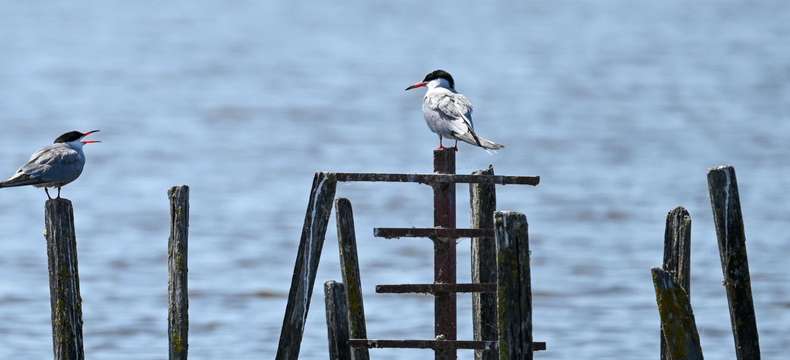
431	179
393	233
433	344
435	288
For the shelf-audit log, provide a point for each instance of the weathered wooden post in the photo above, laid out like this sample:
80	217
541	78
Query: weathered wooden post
64	280
316	219
444	252
677	256
728	219
483	204
349	266
514	293
337	321
677	318
178	296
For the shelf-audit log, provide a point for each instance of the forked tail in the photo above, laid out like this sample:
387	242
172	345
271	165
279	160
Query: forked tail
488	144
472	138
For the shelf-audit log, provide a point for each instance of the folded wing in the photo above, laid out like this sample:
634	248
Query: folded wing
52	164
456	109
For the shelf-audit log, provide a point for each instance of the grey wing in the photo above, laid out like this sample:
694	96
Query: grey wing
464	107
458	109
54	163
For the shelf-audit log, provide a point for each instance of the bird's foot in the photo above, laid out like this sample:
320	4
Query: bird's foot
58	194
441	144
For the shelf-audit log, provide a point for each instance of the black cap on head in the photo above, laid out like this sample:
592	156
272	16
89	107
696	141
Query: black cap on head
440	74
69	137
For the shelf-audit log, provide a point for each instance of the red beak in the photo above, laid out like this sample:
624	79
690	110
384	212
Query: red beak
89	141
417	85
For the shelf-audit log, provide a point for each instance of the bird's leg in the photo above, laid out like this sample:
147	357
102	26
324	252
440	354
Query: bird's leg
441	146
46	190
456	145
58	192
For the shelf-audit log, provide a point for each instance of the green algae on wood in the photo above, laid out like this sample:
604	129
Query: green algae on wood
514	292
677	256
482	199
64	281
349	266
677	318
337	321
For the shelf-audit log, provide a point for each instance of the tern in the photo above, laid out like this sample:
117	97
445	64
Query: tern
55	165
448	113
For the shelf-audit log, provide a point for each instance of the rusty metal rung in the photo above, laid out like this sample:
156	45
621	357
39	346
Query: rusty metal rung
430	179
433	344
436	288
437	232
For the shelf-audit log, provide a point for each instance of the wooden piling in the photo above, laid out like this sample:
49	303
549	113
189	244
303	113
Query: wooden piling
482	198
316	219
728	219
444	262
337	321
514	293
178	297
677	256
64	280
677	318
349	266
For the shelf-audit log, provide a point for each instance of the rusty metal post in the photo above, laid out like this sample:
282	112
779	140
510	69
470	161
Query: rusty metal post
444	252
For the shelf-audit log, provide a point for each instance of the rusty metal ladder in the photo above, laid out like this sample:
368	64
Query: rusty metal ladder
444	235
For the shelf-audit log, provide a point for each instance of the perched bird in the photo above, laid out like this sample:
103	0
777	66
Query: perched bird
448	113
54	165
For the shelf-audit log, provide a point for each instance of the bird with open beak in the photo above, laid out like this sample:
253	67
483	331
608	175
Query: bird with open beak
55	165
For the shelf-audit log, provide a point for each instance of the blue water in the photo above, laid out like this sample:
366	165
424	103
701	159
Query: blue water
620	107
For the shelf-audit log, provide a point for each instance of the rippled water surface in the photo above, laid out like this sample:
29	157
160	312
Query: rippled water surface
619	106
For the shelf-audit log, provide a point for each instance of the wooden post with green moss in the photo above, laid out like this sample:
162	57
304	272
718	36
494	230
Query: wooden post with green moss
319	209
337	320
349	266
514	293
677	318
677	256
64	280
178	298
482	198
726	204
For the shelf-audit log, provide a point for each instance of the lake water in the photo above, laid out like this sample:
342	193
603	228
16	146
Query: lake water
619	106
